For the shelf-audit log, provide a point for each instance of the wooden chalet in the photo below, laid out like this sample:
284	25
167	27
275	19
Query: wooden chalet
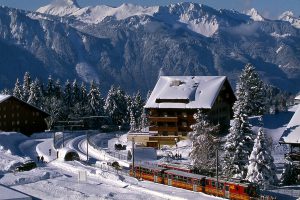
17	115
175	99
291	137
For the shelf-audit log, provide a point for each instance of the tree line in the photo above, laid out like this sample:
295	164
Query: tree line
72	101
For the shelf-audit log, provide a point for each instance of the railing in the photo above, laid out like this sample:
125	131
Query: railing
164	119
163	128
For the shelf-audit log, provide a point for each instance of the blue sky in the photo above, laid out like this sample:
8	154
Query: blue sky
268	8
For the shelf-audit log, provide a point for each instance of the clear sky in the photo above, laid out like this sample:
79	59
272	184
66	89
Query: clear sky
268	8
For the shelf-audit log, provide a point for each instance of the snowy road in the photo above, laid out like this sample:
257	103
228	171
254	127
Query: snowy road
129	185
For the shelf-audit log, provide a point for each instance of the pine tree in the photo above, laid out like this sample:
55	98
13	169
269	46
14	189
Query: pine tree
252	89
203	144
50	89
116	106
133	126
67	99
26	86
17	92
35	94
238	144
261	169
96	102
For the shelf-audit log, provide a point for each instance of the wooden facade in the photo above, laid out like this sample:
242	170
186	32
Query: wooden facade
17	115
166	122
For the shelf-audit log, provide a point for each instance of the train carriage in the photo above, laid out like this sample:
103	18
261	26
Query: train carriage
185	180
231	190
148	172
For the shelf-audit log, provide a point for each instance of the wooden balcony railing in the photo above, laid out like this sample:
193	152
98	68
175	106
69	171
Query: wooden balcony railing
163	128
163	119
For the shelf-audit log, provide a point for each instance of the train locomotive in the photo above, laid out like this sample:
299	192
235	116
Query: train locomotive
230	189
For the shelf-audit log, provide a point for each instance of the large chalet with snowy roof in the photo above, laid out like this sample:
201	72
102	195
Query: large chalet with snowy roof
17	115
175	99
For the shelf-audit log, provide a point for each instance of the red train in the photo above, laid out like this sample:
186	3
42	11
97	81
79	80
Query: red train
195	182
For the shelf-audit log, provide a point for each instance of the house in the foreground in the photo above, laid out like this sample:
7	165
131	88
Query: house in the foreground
291	137
17	115
175	99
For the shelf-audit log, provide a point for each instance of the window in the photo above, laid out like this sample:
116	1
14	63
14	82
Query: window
12	115
37	114
13	123
184	114
33	113
184	124
165	114
18	122
26	121
18	114
4	116
213	183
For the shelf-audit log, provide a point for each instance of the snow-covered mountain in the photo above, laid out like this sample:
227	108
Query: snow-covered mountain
129	44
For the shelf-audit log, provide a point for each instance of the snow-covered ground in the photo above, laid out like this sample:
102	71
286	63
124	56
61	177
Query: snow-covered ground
59	180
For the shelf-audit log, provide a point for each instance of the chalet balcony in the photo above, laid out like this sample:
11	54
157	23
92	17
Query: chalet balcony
163	128
294	156
163	119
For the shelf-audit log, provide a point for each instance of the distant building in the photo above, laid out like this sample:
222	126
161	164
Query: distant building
175	99
17	115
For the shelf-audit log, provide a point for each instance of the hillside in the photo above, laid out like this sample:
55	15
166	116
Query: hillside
128	45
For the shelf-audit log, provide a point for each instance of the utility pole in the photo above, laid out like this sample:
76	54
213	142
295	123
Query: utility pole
87	146
217	167
133	168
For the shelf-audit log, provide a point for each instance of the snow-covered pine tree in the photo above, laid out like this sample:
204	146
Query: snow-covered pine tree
133	125
35	94
96	102
50	88
26	86
203	144
137	104
251	87
116	106
261	169
67	99
57	89
17	92
239	143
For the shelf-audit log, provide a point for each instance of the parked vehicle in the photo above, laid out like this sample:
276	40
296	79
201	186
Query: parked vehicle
26	166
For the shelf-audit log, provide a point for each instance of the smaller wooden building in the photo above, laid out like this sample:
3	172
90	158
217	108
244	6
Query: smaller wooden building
17	115
291	137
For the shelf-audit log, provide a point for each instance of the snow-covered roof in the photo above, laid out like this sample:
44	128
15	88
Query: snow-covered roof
291	134
3	97
185	92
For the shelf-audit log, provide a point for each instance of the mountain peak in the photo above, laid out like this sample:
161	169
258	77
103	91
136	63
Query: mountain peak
253	13
289	17
65	3
60	8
